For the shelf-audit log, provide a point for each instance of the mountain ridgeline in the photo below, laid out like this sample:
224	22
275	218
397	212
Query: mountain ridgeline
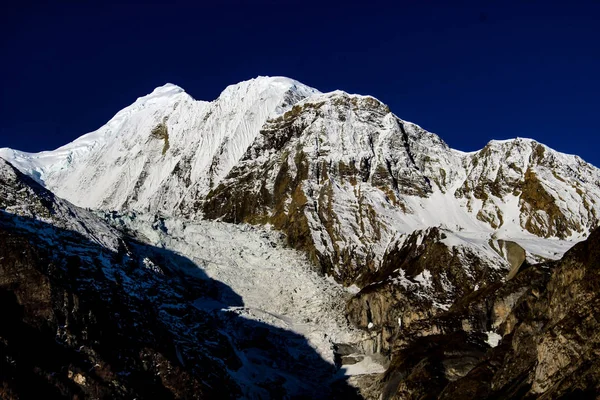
453	261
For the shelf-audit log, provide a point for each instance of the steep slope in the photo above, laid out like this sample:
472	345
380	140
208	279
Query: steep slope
93	312
366	175
79	321
277	285
162	149
335	174
380	203
521	184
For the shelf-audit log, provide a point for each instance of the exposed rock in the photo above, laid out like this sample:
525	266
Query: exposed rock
70	331
161	131
324	180
420	278
545	184
549	348
436	241
513	253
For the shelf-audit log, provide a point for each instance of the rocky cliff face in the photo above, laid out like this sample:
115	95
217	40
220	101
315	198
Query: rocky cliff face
344	168
421	278
79	322
343	177
334	173
71	331
544	320
545	186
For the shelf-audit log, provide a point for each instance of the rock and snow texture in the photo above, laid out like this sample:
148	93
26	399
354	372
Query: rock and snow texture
385	207
345	178
166	152
523	186
278	321
340	174
278	286
26	199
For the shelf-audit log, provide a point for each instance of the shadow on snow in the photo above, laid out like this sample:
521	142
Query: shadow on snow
82	321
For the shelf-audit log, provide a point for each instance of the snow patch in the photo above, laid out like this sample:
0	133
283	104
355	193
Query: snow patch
364	367
493	338
424	279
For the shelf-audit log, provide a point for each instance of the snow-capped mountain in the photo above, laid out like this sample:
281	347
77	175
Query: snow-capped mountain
345	179
163	149
415	230
360	174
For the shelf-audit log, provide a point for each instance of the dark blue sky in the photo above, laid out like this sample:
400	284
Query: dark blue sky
468	71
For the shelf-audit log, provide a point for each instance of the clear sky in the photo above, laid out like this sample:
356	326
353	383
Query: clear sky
468	71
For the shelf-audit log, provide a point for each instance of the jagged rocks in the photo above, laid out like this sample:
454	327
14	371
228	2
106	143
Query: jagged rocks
545	185
421	277
161	132
324	180
68	331
342	189
427	234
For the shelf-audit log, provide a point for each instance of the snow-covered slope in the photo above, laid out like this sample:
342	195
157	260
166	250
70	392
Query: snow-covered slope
163	148
277	285
20	196
521	185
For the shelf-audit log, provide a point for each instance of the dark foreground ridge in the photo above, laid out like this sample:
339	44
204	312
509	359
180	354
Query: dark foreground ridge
81	321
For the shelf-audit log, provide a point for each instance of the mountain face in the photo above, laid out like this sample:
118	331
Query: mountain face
343	177
171	154
443	253
77	319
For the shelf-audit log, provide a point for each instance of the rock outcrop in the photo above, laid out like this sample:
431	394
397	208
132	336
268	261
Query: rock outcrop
534	336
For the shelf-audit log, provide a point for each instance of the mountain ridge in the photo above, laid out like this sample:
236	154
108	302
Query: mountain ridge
434	253
355	173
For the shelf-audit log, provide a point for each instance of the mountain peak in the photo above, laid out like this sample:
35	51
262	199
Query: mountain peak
166	91
166	152
266	84
168	88
275	80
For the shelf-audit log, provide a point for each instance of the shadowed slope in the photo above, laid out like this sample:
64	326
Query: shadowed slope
97	314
